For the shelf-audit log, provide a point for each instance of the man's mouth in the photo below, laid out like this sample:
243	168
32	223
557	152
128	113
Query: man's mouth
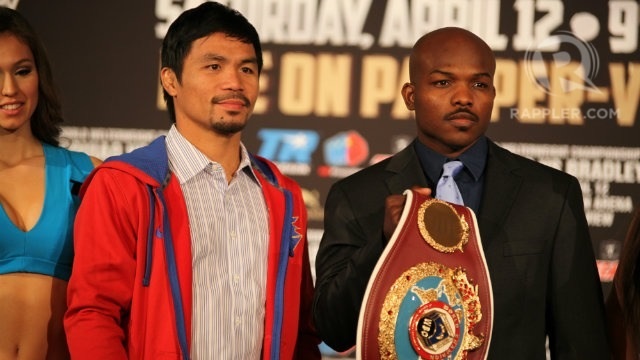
462	115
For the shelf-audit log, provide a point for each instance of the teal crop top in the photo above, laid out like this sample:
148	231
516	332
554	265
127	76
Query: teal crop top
48	247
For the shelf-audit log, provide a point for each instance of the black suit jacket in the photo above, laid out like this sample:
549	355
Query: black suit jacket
536	242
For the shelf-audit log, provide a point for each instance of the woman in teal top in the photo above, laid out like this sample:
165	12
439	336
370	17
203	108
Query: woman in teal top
38	179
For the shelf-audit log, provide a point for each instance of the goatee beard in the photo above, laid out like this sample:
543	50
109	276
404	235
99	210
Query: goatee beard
227	128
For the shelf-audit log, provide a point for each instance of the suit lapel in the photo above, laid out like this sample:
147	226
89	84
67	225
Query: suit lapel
405	170
500	189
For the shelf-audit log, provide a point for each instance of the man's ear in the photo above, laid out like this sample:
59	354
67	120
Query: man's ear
169	80
408	94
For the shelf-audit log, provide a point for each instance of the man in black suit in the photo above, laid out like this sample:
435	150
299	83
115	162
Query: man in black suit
531	217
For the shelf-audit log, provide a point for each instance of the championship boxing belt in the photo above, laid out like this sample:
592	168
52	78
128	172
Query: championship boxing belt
429	296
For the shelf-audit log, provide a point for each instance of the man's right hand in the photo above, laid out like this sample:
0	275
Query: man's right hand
393	209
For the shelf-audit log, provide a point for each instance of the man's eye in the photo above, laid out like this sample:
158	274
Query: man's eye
214	66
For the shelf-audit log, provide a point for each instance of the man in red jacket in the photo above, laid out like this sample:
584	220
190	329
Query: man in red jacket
190	247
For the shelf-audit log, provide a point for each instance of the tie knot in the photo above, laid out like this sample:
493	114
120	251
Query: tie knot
452	168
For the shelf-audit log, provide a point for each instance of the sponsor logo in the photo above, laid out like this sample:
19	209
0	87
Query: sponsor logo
290	149
343	154
347	148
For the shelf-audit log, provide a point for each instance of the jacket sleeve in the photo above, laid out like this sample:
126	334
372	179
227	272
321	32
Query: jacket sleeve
345	260
100	288
576	318
308	340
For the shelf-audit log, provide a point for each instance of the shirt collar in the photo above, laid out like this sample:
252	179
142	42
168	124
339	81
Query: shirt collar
474	159
186	160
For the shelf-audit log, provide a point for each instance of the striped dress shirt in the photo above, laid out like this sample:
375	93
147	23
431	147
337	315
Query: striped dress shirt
229	241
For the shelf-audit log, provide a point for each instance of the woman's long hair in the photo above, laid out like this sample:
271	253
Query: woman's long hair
47	118
629	277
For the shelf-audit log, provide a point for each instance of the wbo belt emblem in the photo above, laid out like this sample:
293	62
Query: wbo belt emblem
441	309
429	296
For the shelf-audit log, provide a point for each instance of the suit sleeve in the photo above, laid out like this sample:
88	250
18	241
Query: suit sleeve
345	260
576	316
100	289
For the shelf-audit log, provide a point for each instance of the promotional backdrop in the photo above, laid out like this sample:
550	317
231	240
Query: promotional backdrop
568	86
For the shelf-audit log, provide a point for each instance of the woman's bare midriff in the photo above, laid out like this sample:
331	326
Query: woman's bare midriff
32	307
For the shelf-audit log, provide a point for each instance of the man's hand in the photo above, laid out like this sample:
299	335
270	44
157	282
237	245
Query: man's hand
393	206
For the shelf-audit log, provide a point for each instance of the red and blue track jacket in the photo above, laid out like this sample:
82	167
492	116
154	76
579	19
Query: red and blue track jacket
129	295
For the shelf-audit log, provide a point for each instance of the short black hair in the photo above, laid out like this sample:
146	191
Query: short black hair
206	19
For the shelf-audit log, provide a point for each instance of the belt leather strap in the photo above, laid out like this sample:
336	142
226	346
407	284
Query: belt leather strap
429	296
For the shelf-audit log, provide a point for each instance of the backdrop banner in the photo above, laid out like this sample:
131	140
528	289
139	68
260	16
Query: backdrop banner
568	86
